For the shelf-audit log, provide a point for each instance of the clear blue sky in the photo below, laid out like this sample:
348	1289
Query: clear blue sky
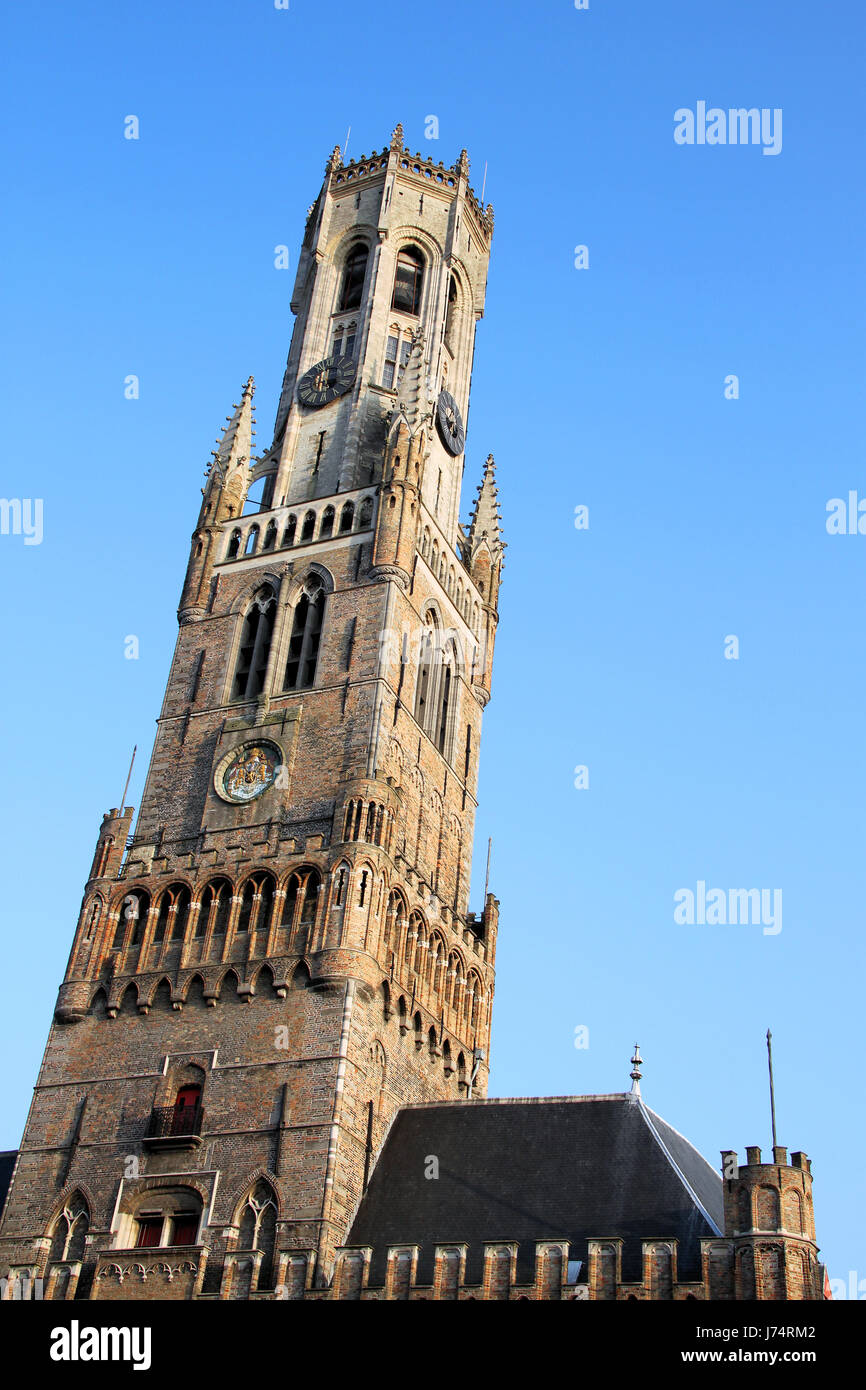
603	387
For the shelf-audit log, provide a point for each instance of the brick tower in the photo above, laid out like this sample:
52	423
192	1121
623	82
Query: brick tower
770	1250
282	955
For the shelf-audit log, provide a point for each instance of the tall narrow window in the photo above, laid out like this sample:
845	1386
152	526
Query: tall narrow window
425	671
289	533
312	885
306	633
343	344
215	908
70	1230
395	352
308	527
327	527
354	273
408	281
347	516
290	902
451	317
258	1230
444	699
365	516
255	646
133	913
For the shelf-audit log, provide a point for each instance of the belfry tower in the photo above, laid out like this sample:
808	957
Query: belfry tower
281	955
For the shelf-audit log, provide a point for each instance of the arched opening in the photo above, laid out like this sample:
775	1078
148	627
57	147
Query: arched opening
354	273
255	647
408	281
452	316
306	633
133	914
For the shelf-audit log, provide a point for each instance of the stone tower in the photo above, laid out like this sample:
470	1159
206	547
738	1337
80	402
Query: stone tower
769	1251
281	955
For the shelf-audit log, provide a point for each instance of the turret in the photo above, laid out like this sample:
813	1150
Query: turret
770	1221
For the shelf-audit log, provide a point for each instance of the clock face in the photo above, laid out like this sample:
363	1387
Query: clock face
326	380
449	422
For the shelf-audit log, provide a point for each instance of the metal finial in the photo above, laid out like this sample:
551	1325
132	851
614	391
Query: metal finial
636	1061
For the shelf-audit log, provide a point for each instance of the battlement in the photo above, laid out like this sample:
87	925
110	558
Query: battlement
417	166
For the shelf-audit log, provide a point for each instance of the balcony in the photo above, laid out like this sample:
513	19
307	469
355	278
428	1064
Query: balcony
174	1127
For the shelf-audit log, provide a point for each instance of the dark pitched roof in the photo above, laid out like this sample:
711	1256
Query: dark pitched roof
575	1168
7	1164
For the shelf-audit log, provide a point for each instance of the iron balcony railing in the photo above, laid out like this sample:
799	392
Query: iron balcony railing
168	1122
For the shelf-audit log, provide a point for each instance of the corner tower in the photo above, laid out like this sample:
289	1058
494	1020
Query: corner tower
282	954
769	1250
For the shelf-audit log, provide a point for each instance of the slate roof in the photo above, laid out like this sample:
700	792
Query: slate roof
7	1164
574	1167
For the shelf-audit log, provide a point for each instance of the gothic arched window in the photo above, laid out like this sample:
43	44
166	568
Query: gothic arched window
133	909
70	1230
354	273
347	516
289	533
290	901
365	515
173	913
215	907
255	645
234	545
451	316
408	281
441	724
270	536
436	688
257	901
252	541
312	885
425	671
327	527
306	633
309	526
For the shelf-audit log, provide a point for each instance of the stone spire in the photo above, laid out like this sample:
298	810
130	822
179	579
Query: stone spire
236	445
228	474
486	522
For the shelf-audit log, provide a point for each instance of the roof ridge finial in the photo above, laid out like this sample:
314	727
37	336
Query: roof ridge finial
636	1061
397	137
